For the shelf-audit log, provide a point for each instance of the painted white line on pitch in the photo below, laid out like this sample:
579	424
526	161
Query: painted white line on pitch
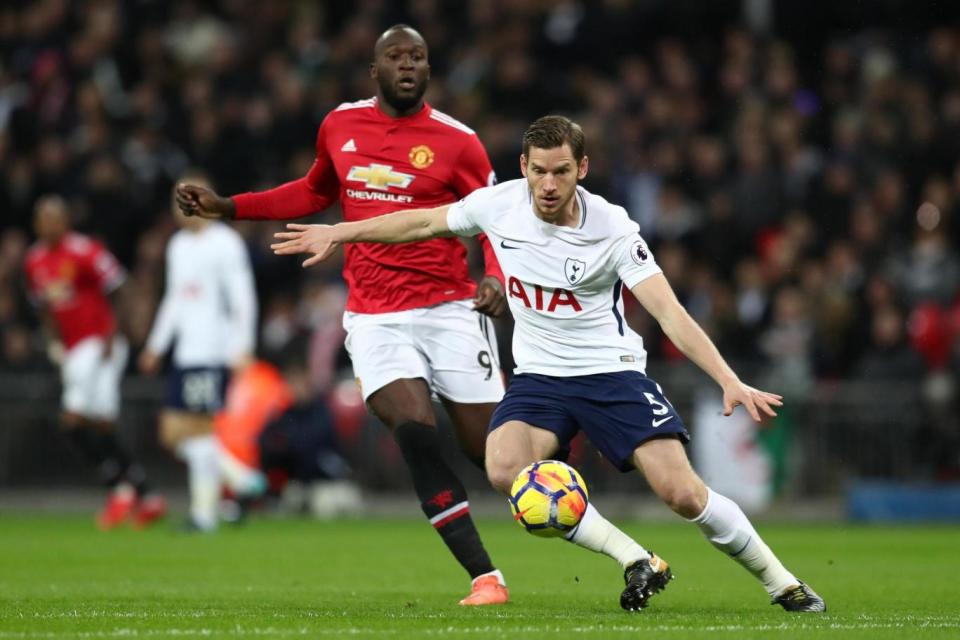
240	631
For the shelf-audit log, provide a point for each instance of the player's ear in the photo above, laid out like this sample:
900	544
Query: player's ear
582	170
523	165
373	70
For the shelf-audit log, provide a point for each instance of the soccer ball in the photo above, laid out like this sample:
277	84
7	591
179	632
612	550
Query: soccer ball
548	498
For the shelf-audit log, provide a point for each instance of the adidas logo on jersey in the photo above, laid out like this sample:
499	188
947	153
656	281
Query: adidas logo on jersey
349	145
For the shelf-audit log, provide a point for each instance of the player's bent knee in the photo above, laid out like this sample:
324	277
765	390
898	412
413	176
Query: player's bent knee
685	499
392	417
500	477
177	426
502	472
70	421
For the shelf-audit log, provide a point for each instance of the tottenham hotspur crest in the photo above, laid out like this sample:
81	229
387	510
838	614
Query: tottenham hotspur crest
574	270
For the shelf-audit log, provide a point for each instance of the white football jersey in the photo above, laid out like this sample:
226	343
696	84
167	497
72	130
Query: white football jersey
210	303
564	284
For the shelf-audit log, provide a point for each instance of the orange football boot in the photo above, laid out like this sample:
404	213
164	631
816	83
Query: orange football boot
486	590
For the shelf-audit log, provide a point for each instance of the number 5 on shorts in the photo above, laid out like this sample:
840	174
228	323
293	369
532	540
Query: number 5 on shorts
659	409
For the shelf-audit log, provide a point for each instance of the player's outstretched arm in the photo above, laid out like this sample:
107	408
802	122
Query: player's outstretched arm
657	296
200	201
411	225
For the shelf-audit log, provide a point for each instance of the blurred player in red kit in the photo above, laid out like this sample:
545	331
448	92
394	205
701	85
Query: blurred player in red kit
70	278
417	325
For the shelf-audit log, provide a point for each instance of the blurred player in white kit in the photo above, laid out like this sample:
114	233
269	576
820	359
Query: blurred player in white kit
209	310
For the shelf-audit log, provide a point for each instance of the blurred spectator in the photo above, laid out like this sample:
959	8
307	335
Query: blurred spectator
889	357
788	343
927	271
797	186
17	351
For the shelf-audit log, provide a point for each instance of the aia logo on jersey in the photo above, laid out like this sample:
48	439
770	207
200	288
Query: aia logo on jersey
639	253
380	177
574	270
421	156
537	297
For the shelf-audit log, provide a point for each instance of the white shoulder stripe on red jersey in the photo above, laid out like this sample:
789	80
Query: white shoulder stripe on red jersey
440	116
359	104
77	242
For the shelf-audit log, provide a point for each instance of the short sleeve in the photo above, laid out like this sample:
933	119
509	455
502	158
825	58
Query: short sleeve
634	260
464	218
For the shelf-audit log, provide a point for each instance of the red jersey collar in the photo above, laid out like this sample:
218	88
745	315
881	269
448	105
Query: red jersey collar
423	113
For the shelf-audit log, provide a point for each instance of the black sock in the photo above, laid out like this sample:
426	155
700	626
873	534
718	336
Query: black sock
118	466
87	442
442	496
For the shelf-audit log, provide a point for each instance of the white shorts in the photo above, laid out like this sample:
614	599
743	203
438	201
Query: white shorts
91	383
451	346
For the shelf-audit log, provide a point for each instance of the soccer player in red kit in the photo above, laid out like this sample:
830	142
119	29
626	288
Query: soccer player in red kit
70	277
412	328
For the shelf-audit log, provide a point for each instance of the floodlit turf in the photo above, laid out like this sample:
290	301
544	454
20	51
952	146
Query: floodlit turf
393	579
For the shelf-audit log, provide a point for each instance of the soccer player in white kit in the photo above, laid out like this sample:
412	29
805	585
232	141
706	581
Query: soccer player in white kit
209	309
566	255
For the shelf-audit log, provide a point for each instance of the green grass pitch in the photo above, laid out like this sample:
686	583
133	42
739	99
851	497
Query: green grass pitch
394	579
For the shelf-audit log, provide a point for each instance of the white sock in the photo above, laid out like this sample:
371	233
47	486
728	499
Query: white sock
495	572
201	453
728	529
242	480
597	534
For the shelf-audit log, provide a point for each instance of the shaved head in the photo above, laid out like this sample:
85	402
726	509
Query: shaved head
402	28
401	70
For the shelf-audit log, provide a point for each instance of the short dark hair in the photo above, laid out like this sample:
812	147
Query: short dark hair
550	132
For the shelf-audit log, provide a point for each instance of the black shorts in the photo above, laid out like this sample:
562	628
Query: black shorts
617	411
197	389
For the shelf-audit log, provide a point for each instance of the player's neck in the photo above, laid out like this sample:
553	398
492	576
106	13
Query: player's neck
393	112
52	241
568	216
197	228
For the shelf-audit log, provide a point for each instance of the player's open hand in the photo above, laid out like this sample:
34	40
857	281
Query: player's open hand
489	299
200	201
756	402
306	238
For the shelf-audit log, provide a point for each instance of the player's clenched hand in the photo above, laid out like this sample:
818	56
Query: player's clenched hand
200	201
306	238
489	299
753	400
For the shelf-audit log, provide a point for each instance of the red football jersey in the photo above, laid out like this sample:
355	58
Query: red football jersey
375	164
71	279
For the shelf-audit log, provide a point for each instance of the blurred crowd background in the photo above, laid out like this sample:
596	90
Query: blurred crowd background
795	167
